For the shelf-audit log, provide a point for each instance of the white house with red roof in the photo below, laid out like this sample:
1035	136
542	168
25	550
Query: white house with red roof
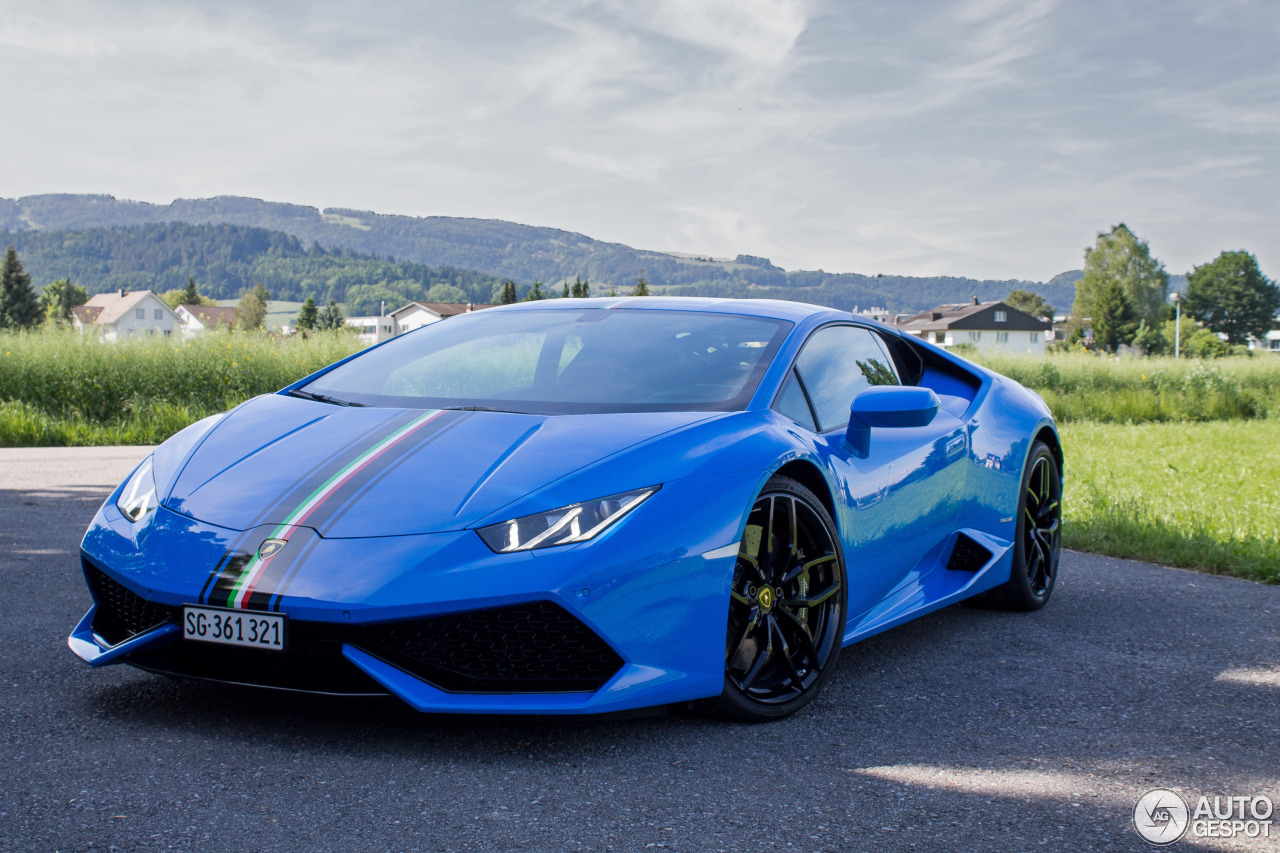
117	315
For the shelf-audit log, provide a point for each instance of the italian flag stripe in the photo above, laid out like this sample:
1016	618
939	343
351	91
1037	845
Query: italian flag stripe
253	570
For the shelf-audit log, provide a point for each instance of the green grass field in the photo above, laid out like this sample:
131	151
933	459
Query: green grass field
1170	461
1081	387
1202	496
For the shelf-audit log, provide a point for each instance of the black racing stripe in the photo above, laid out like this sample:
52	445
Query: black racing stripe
232	566
312	479
287	581
319	473
320	519
297	539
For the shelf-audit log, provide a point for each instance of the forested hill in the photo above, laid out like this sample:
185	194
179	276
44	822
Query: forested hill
227	260
525	253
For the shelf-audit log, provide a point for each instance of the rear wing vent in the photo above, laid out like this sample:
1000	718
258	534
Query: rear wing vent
967	555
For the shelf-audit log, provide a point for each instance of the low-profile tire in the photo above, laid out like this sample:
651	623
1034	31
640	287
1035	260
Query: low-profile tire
1038	542
786	606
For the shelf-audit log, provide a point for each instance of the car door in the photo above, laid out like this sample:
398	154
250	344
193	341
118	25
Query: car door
899	501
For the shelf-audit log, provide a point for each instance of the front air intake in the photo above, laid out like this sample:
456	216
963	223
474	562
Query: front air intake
122	614
529	648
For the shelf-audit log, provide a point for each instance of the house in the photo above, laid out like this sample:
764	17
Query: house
120	315
412	316
372	330
988	326
197	319
1270	342
415	315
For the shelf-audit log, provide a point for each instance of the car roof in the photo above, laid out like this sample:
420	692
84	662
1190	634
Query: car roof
778	309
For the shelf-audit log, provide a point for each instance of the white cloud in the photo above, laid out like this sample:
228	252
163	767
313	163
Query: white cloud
991	138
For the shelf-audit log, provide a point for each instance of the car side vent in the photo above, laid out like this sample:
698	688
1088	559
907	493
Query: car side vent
967	555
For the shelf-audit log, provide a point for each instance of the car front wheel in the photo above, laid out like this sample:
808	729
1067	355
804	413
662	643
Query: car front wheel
786	607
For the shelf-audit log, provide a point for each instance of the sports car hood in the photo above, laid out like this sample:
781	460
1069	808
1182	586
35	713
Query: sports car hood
355	471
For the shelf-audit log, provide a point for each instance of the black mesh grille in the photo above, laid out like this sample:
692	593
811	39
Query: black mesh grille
121	614
528	648
967	555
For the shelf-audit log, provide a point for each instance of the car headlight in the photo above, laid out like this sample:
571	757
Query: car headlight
566	525
139	494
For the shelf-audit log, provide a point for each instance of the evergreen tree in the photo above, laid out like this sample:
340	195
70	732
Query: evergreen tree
190	296
509	294
581	288
330	317
59	298
1115	321
565	295
307	316
535	293
1231	295
252	310
642	287
1120	257
19	305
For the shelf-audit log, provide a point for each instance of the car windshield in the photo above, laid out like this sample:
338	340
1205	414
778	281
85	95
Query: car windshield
564	362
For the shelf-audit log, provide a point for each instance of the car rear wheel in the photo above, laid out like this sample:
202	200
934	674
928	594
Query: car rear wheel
786	606
1039	536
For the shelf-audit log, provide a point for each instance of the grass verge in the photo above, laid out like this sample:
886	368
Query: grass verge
1200	496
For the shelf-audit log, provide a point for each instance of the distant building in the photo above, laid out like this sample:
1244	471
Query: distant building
198	319
1270	341
408	317
117	315
988	326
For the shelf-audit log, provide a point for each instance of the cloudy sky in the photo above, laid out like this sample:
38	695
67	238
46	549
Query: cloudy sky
983	138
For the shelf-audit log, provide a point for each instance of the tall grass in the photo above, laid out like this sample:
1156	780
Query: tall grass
1082	387
60	388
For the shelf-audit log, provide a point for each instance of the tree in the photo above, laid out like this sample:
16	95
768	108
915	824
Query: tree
446	293
508	294
1120	258
565	295
59	298
1114	320
1030	303
330	317
190	296
252	310
642	287
19	305
307	316
1231	295
581	287
535	293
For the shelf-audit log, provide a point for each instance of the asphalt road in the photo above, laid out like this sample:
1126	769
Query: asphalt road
967	730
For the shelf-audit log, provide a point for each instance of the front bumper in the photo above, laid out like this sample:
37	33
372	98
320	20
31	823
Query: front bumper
632	619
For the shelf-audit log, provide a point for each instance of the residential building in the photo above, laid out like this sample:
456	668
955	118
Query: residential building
197	319
408	317
988	326
117	315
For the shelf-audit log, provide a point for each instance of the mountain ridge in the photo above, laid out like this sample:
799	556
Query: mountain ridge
522	252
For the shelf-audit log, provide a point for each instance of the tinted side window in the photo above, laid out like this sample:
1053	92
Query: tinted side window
792	403
838	362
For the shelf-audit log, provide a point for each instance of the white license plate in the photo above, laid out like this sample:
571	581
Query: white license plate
234	627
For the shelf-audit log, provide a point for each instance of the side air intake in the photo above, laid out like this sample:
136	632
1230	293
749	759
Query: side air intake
967	555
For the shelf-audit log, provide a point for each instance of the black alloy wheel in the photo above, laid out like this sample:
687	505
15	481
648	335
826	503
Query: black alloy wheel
1038	545
786	607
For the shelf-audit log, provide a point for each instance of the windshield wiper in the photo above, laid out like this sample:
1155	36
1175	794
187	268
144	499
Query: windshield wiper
481	409
321	398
